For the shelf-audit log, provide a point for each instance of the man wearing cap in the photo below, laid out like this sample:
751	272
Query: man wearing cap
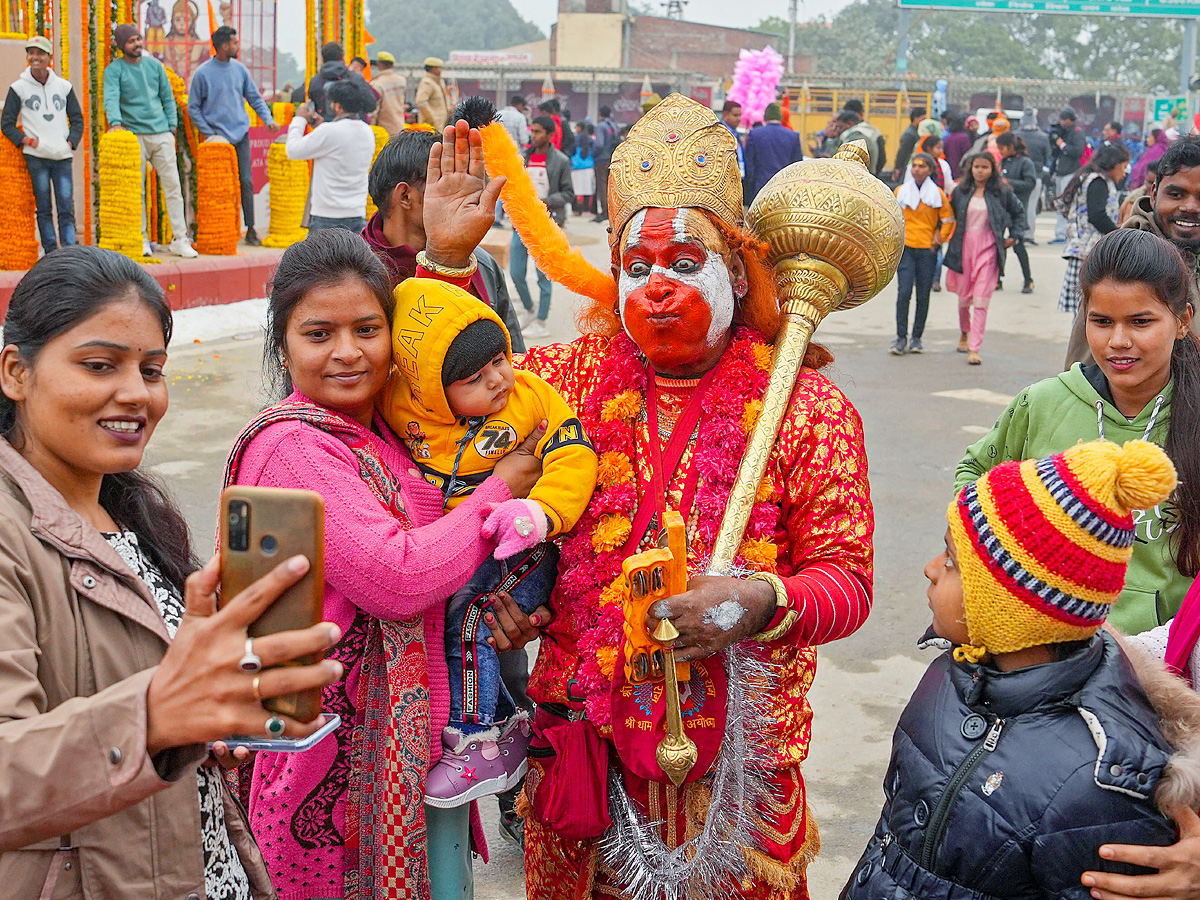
433	105
51	124
138	98
389	84
221	88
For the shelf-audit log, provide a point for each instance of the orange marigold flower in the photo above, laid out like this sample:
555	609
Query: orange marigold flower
218	225
750	416
763	354
607	658
18	241
760	554
623	406
615	468
610	533
765	492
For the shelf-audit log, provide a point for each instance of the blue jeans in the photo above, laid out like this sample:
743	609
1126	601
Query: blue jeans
518	265
915	269
47	174
354	223
476	689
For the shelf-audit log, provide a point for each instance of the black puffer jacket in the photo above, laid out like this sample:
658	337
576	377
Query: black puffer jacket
1006	784
1005	214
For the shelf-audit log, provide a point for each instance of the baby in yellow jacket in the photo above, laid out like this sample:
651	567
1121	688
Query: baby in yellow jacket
460	407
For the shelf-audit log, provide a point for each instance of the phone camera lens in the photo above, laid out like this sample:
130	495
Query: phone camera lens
269	545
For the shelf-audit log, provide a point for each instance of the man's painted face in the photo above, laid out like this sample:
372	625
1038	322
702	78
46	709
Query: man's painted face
675	289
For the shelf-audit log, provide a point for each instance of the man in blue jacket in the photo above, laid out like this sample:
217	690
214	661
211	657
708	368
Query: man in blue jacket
769	149
215	102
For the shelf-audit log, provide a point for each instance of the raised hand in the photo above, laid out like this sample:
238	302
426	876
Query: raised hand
460	203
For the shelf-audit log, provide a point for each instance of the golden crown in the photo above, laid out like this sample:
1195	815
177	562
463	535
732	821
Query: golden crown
679	154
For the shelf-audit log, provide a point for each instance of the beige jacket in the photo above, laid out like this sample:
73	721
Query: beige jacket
84	811
433	106
390	115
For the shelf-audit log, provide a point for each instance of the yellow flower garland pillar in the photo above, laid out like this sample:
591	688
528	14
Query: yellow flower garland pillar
120	207
381	139
218	192
289	188
18	238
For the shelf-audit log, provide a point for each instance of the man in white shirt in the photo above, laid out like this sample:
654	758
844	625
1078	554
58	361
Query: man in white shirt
341	151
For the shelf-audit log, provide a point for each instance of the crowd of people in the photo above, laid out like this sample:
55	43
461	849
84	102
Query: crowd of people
479	495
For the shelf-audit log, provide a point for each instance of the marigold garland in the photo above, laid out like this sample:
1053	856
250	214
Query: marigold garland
381	139
420	126
591	555
218	193
289	189
120	217
18	237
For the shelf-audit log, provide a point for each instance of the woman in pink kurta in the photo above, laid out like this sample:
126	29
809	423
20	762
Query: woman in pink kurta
346	818
986	211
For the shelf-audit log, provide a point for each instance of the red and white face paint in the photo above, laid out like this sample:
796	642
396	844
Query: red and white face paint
675	289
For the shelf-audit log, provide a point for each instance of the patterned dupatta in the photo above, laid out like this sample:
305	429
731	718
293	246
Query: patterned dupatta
385	811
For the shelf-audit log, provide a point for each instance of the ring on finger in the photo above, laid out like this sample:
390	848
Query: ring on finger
255	685
275	726
250	661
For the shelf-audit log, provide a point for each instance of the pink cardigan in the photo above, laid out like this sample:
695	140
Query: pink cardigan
371	564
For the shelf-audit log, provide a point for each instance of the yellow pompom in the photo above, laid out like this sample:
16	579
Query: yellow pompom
968	654
1145	475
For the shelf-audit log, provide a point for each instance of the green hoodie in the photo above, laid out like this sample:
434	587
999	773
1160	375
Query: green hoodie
1051	415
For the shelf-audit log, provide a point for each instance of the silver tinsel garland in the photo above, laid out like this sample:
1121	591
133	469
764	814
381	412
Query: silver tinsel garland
711	863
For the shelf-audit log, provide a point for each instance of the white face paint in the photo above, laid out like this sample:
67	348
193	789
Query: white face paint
725	615
711	280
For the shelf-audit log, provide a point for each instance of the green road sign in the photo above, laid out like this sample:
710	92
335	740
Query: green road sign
1165	106
1174	8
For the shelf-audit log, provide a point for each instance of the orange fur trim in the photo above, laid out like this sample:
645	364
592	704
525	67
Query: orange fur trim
547	244
786	876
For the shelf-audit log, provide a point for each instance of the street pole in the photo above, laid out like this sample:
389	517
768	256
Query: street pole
1187	65
792	11
902	48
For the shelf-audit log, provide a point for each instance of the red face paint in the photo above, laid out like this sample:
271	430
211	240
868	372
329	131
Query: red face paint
667	318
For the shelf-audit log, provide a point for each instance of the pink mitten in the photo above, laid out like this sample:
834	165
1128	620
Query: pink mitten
517	525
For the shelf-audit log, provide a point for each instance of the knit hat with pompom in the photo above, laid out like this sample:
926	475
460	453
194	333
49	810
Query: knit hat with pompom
1043	544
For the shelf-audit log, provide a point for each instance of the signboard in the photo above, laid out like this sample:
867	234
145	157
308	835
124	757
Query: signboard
491	57
1179	9
1166	106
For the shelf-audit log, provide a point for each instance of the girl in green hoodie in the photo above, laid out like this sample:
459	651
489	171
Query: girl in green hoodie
1145	383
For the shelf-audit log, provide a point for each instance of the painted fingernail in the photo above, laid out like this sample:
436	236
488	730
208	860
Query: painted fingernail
488	617
536	620
297	564
491	642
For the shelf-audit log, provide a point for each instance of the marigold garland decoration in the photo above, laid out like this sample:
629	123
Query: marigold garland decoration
381	139
18	239
420	126
179	90
218	193
289	188
120	194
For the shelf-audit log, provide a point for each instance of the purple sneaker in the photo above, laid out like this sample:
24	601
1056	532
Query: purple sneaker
515	736
472	766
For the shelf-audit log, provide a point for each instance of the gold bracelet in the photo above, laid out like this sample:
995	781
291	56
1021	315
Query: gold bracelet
781	602
433	268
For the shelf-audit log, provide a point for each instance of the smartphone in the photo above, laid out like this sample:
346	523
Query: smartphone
286	745
260	528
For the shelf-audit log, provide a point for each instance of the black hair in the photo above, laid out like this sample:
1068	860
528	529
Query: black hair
956	121
1107	157
917	112
1069	114
1183	153
966	181
730	105
605	112
517	100
1115	126
855	106
355	99
1009	139
550	106
849	117
62	290
1152	168
404	158
1130	255
358	59
476	110
223	36
325	257
332	52
929	161
546	123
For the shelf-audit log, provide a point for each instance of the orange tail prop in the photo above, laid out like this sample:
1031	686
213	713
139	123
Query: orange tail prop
546	242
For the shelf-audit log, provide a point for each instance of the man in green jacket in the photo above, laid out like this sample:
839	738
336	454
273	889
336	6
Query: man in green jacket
138	98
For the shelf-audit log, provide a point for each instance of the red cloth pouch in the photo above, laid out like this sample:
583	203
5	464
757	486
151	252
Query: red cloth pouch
568	780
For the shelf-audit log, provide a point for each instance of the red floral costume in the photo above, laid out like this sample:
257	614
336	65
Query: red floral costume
812	525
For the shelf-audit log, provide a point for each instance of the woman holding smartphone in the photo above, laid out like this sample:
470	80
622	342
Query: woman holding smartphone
347	818
115	668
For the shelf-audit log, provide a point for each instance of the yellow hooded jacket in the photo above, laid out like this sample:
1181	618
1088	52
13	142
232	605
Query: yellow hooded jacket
456	454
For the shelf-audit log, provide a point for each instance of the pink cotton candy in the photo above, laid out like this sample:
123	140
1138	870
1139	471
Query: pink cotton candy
756	78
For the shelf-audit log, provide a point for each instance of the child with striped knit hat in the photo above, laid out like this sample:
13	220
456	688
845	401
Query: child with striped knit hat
1031	743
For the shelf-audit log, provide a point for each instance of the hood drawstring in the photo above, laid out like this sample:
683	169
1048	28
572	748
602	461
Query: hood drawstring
452	483
1158	404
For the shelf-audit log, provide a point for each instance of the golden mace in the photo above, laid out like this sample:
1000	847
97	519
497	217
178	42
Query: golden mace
835	234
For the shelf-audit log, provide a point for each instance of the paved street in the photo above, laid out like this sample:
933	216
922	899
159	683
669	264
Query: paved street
920	412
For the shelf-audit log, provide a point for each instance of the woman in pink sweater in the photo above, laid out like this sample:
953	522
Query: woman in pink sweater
347	817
